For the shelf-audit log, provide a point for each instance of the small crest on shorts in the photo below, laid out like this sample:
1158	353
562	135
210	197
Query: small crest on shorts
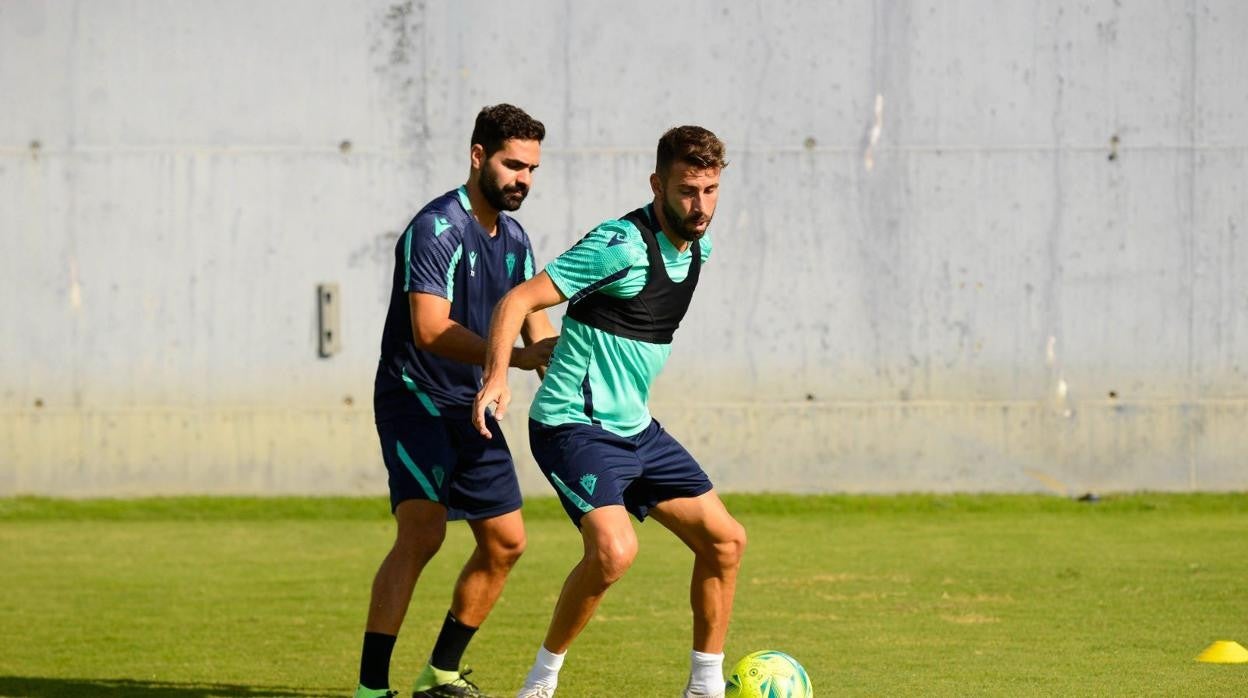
589	481
438	475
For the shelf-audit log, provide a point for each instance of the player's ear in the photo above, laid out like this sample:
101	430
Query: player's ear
656	184
477	156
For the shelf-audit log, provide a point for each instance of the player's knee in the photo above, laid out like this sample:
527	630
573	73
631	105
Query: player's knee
613	558
419	544
731	548
421	529
505	552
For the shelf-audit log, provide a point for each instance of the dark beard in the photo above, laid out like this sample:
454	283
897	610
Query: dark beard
501	198
683	227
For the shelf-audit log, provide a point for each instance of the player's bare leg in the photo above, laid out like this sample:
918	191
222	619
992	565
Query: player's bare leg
500	542
610	546
718	542
421	530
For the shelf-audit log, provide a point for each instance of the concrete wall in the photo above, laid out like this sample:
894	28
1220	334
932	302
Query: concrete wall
961	245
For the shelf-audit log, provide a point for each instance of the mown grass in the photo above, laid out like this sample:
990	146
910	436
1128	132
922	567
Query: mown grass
904	595
541	508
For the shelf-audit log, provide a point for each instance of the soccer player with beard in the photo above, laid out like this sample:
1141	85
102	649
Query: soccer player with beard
457	258
629	283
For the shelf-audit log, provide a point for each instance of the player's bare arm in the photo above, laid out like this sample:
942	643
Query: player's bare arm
537	328
539	334
529	298
435	331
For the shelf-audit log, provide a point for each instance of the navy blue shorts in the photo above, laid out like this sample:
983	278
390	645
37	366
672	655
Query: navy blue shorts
445	460
590	467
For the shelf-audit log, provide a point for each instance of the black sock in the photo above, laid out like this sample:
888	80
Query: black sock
452	642
375	660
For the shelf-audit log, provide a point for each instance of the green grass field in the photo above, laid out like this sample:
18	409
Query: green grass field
882	596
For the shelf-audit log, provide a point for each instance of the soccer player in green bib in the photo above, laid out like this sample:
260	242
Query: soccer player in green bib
628	283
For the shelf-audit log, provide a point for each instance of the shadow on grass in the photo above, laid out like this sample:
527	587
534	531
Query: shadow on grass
41	687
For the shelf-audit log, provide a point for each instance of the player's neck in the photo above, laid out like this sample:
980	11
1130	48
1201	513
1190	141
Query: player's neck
485	214
677	241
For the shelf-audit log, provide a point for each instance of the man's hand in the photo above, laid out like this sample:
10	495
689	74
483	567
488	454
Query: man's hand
493	392
538	293
535	355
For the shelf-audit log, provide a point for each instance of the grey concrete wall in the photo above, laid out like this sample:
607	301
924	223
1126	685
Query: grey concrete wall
960	246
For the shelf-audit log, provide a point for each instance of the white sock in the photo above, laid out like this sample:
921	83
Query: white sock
707	673
545	671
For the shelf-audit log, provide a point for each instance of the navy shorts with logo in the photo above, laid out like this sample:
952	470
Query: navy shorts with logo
445	460
591	467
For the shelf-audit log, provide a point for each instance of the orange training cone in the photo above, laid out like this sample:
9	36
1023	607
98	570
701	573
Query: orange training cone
1224	652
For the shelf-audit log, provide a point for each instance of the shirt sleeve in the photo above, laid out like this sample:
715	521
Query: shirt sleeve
432	248
600	260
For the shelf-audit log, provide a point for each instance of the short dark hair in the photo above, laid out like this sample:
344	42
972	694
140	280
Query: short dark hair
503	122
692	145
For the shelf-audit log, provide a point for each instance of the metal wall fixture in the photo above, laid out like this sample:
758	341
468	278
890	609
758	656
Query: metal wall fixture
327	319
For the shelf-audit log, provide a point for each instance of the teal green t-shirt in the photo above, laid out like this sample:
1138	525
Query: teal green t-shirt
593	371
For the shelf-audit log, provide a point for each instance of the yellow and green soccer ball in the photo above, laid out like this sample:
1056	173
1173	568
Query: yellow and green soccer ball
768	674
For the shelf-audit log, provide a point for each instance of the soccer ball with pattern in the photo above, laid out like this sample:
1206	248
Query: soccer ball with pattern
768	674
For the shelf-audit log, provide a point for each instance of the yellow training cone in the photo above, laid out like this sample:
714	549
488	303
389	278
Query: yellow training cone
1224	652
